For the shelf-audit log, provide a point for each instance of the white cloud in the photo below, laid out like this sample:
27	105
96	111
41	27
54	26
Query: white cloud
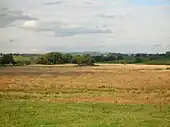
8	16
30	25
64	29
84	24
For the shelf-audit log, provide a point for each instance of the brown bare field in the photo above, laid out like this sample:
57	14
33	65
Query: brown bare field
122	84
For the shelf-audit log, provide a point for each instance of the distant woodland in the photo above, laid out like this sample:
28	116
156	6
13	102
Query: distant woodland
84	58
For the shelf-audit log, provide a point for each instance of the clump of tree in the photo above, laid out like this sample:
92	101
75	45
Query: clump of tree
7	59
10	59
58	58
54	58
83	60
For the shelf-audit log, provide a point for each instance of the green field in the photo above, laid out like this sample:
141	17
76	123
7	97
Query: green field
21	113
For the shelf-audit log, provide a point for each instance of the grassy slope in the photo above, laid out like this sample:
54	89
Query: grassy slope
44	114
21	58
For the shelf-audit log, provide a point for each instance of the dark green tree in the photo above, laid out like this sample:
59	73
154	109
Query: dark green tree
110	57
83	60
138	59
52	58
67	58
7	59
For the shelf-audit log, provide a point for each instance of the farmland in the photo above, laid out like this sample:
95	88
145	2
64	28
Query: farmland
66	95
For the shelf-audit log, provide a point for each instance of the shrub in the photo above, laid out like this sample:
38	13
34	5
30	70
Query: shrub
83	60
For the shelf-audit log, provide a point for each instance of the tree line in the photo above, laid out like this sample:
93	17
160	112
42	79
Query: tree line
163	58
48	59
84	59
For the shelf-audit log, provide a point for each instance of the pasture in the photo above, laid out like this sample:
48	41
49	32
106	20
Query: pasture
100	96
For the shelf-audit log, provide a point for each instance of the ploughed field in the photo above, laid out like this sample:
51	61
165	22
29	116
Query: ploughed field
65	95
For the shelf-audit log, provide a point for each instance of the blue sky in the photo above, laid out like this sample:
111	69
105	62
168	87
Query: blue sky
129	26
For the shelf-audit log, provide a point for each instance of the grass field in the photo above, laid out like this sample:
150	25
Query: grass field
100	96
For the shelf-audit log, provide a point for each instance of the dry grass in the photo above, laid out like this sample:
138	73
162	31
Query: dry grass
105	83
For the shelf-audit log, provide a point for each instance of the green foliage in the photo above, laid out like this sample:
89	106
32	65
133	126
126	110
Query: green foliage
158	62
58	58
51	58
42	60
158	59
67	58
7	59
138	59
129	59
54	58
83	60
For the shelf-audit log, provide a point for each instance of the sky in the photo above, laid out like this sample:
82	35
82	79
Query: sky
126	26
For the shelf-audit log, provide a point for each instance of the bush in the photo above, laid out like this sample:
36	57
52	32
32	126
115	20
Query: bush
53	58
83	60
7	59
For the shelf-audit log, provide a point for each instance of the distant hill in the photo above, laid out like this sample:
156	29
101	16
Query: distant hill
87	52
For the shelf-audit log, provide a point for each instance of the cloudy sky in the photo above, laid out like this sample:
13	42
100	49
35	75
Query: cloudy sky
128	26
